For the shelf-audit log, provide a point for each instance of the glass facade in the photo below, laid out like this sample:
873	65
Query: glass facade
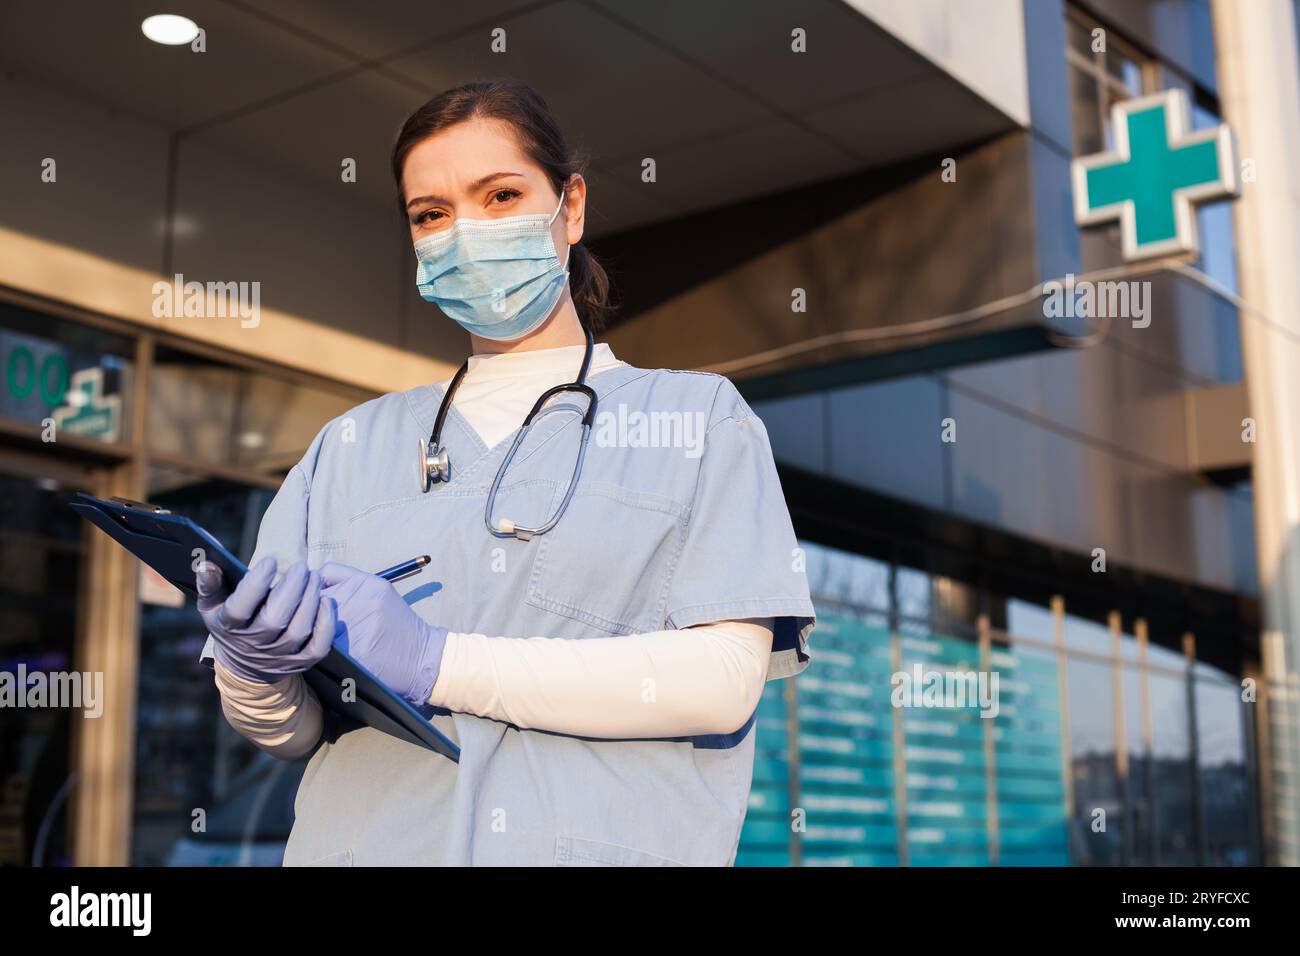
1087	757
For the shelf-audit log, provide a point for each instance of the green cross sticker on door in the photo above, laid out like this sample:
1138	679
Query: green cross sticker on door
1157	173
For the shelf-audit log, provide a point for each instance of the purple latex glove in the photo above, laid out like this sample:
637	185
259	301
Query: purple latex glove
262	632
379	629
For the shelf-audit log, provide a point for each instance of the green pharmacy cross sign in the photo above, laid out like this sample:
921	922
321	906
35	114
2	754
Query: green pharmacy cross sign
1157	173
89	411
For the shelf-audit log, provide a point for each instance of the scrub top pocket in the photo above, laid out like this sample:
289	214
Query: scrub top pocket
572	851
607	564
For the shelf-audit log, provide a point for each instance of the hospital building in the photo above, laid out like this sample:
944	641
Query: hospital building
1011	284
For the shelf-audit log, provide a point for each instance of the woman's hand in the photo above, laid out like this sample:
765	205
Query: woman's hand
380	630
265	633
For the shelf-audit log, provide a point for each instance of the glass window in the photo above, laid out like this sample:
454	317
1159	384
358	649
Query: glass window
207	411
912	599
1173	783
1033	826
846	746
1137	808
1082	634
76	376
1218	257
1096	828
1124	70
1226	774
765	839
845	578
1079	39
1085	113
956	607
947	799
1030	620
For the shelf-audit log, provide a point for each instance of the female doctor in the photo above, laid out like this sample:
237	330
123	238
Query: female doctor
595	639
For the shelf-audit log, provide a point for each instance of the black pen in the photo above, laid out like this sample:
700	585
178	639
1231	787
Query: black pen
405	569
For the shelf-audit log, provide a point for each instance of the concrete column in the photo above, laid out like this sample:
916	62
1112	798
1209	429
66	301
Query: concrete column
1259	87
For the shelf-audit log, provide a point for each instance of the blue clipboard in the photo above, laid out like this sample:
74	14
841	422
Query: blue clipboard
168	543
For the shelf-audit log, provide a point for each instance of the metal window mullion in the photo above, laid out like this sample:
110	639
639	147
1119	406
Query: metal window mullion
790	694
1121	741
990	751
1194	747
897	724
1142	634
1063	693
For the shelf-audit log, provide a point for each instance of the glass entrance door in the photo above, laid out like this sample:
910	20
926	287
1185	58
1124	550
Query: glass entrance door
41	567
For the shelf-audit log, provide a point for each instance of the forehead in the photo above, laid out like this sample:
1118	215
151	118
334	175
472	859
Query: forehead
451	159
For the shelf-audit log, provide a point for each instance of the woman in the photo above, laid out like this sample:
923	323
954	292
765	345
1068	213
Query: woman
601	676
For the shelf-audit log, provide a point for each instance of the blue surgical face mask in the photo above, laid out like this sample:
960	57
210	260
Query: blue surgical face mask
498	278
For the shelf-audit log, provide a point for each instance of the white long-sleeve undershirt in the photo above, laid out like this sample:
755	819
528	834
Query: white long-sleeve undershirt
676	683
701	680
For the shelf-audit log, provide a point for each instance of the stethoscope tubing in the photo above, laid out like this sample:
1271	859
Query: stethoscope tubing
436	466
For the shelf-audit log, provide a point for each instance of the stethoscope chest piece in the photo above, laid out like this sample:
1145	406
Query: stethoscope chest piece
434	465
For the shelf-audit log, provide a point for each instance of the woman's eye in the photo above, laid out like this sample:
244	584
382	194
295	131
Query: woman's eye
505	195
427	217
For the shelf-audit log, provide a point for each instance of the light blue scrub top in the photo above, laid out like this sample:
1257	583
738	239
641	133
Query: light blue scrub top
654	538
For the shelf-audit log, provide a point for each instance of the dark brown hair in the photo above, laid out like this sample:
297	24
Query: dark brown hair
540	138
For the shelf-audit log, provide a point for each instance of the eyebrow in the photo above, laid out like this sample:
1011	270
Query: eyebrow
473	187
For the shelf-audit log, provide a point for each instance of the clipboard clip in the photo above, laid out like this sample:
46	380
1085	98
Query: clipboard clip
141	505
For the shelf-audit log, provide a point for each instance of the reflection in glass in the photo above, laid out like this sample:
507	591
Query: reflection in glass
77	375
1138	813
207	411
41	544
1096	830
846	747
1033	827
1082	634
1029	620
947	799
1171	746
1085	117
765	838
913	592
1226	775
851	579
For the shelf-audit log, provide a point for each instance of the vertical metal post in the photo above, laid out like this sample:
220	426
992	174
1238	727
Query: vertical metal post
1199	834
1063	695
900	753
990	748
898	725
790	693
1121	739
1148	738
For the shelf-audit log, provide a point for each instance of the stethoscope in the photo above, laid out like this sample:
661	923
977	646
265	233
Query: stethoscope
435	464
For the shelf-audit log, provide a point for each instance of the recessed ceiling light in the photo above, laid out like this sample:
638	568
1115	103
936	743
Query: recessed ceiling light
169	29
